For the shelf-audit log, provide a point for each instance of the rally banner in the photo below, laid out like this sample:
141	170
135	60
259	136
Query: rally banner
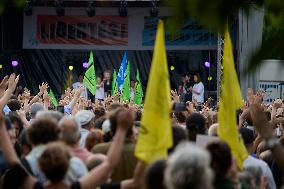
82	30
108	31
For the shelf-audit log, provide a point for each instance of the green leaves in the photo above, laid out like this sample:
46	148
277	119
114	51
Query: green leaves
213	15
4	3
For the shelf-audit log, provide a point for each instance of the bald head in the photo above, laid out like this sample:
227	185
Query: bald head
70	131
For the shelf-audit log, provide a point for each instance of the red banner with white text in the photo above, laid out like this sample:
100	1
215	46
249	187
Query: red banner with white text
82	30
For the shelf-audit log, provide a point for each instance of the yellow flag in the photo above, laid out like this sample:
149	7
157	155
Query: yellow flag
231	100
155	136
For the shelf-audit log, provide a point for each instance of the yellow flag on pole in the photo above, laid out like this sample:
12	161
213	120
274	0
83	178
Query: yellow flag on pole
231	100
155	136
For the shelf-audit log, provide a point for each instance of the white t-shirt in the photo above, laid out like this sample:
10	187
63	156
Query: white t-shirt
78	85
198	87
100	93
253	162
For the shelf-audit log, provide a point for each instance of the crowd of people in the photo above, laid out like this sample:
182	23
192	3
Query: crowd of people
85	144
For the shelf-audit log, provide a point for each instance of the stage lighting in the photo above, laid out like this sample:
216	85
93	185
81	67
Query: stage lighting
154	11
85	65
172	68
70	68
1	66
15	63
60	11
123	8
28	9
207	64
91	9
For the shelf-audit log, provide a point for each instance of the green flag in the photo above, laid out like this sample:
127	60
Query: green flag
125	93
114	86
138	91
90	76
52	98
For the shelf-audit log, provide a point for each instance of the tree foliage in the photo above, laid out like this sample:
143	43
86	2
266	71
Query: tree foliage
4	3
213	15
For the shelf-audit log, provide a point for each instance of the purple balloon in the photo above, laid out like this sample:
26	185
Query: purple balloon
207	64
15	63
85	64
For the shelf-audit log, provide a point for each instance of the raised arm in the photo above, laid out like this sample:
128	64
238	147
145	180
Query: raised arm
75	98
138	179
6	144
266	131
3	85
100	174
46	100
12	83
11	156
23	118
42	88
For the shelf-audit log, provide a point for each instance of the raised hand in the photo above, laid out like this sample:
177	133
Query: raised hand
78	92
250	96
4	83
260	121
125	119
12	82
175	96
43	87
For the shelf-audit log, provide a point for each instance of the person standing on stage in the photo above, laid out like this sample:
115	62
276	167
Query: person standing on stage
185	93
100	92
197	89
80	84
107	82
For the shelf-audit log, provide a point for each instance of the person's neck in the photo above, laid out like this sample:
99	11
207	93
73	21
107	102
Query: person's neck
249	148
57	185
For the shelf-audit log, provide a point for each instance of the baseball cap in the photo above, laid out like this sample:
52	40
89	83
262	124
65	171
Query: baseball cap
84	117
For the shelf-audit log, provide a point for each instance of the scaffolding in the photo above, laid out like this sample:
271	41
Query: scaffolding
220	52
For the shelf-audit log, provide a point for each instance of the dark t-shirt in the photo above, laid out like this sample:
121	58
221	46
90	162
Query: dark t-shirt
18	172
107	87
188	96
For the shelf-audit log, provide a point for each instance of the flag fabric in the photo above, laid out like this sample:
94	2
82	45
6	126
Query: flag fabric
122	72
114	87
125	93
138	91
155	136
52	98
230	101
90	76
